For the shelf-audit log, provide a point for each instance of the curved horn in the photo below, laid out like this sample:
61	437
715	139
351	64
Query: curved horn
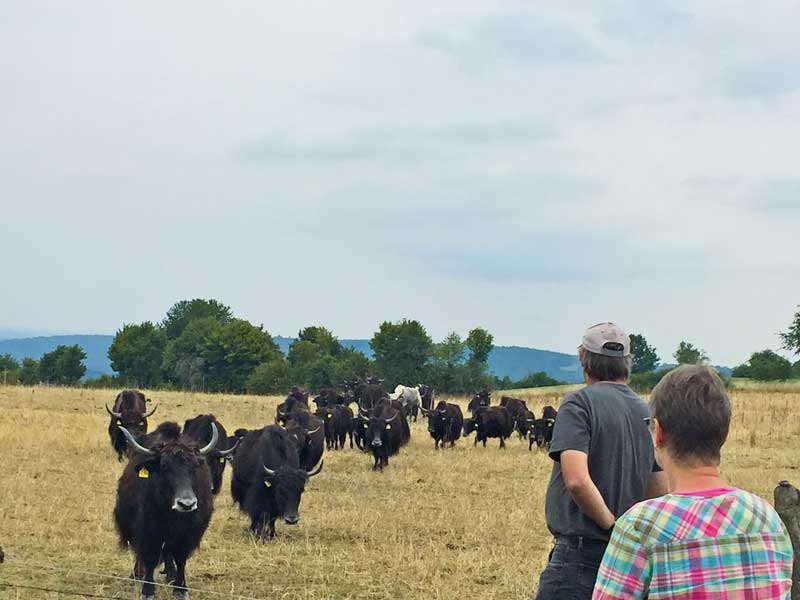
134	444
112	413
230	450
313	431
267	470
392	418
317	470
214	438
145	415
281	413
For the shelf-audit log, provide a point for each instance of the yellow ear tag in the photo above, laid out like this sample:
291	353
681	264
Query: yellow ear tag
119	422
144	473
222	459
365	425
328	416
388	426
268	483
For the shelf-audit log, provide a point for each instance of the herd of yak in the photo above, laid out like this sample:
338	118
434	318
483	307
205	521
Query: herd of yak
165	493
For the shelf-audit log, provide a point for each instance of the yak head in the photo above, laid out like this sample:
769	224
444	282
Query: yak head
285	486
470	425
437	419
299	434
542	430
132	419
175	464
378	428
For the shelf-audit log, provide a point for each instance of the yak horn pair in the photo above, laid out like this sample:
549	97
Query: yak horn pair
310	473
203	451
118	415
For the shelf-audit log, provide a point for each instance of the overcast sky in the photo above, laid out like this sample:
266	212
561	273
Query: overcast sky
521	166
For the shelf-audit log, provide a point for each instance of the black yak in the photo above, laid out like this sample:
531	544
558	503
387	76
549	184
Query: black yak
164	503
268	480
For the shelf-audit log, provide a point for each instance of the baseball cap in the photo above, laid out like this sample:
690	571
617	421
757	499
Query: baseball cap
607	339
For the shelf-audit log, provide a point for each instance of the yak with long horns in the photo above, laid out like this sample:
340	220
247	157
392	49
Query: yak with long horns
164	503
130	412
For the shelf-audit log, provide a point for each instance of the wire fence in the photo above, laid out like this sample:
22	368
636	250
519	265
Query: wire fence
9	563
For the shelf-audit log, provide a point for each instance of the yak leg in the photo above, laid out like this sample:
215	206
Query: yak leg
351	439
148	583
169	566
179	584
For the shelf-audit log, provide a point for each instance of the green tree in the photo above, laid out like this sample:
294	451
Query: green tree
742	371
769	366
791	337
322	338
272	377
8	363
480	343
447	369
796	370
688	354
351	364
536	379
63	366
184	362
644	355
137	353
402	351
181	313
9	369
29	371
233	351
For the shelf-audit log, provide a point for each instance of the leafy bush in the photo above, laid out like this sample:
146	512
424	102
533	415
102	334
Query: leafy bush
273	377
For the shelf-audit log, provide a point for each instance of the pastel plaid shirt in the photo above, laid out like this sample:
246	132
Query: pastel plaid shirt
721	544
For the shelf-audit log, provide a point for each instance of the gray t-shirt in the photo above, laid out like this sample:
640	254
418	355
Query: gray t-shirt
608	422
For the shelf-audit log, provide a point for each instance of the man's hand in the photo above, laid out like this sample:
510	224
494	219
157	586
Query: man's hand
575	470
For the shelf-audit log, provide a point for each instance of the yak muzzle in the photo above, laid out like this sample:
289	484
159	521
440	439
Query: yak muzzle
291	519
185	504
377	443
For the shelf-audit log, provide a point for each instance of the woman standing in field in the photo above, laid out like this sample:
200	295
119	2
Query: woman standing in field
705	539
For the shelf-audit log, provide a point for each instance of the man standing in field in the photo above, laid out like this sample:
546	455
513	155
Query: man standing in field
604	463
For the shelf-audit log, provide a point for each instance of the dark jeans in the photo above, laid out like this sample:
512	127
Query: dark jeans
572	569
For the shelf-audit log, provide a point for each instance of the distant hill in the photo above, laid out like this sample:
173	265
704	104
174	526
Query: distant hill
514	361
95	346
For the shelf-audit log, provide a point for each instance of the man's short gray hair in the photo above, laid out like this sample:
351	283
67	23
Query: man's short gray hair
605	368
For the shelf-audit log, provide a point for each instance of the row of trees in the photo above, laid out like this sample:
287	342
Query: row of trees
201	345
62	366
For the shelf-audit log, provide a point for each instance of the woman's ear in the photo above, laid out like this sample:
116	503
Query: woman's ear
658	434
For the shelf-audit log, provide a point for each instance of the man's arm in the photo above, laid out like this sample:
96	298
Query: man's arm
657	485
575	470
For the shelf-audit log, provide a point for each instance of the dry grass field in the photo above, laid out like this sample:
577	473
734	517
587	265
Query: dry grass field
462	523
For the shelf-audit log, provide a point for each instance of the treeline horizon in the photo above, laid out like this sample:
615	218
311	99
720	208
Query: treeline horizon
201	346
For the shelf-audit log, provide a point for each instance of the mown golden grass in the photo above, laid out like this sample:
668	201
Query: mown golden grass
466	523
